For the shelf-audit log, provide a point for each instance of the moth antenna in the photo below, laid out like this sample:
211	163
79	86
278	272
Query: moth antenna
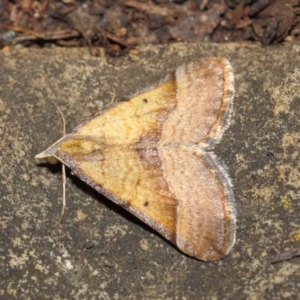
64	194
62	117
63	167
113	98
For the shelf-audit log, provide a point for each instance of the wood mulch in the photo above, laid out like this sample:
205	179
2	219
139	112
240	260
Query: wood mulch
121	24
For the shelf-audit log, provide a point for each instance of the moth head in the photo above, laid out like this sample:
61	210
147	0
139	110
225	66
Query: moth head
42	158
50	155
45	158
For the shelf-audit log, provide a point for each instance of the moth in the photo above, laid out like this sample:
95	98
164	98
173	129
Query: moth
153	155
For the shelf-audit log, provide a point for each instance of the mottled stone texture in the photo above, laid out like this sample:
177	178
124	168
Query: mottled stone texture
99	251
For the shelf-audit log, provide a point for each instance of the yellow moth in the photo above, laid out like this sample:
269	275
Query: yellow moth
152	154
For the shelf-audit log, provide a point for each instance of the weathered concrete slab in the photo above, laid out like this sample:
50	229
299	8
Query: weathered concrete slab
99	251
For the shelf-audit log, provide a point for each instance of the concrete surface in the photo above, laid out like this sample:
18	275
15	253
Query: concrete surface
99	251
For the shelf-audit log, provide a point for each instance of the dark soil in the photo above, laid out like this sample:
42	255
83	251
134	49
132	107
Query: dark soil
121	24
